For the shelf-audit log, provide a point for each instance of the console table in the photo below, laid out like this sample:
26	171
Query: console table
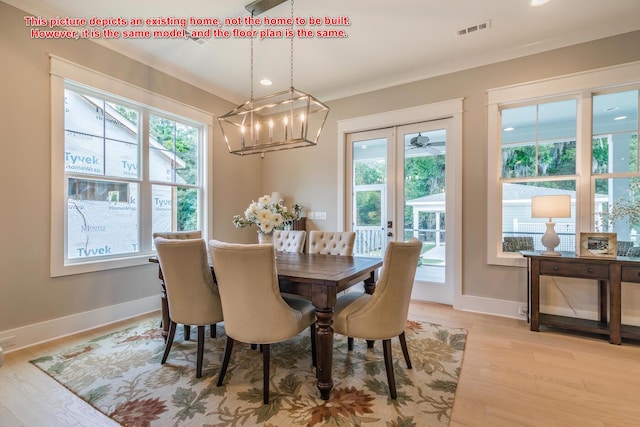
608	272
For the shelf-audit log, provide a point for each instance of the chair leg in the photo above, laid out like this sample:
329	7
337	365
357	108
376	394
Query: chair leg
254	346
225	362
187	332
200	354
314	355
388	364
266	351
350	343
213	330
370	343
167	346
405	350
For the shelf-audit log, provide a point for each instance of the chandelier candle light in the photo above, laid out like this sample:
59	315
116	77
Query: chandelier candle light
551	207
281	121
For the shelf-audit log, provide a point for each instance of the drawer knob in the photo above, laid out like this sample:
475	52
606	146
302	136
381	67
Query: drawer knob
556	268
590	270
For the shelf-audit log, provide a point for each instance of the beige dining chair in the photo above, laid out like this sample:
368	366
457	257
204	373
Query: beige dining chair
180	235
289	240
383	315
191	293
331	242
254	311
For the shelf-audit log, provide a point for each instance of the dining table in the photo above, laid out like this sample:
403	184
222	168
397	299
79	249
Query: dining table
319	278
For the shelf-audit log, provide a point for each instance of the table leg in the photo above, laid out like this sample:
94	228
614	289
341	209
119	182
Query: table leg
324	347
370	283
534	279
615	302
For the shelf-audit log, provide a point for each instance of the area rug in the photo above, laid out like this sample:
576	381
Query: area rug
120	375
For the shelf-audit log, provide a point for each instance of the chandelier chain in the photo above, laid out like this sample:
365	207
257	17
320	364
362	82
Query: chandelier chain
291	45
251	98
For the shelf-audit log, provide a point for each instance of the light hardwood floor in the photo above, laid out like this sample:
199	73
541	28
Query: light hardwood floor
510	377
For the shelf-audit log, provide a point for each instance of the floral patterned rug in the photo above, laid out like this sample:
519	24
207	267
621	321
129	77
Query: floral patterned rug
120	375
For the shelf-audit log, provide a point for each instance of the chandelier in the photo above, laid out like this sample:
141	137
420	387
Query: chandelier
280	121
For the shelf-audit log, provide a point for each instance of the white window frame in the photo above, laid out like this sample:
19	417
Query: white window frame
63	70
580	86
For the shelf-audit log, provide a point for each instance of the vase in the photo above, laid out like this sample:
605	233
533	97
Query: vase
265	239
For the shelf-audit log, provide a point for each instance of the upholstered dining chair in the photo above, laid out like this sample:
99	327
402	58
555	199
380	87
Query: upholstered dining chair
331	242
289	240
191	293
383	315
254	311
181	235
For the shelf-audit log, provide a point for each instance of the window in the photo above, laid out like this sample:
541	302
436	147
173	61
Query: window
574	135
614	153
125	164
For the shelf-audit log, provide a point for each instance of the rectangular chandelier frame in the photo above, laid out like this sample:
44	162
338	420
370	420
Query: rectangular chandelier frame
281	121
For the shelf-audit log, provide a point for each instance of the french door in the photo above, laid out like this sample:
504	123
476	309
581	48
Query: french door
397	180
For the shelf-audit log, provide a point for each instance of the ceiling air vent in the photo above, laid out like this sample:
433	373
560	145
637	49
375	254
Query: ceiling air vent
474	28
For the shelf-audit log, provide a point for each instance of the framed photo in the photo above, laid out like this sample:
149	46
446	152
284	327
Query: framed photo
598	245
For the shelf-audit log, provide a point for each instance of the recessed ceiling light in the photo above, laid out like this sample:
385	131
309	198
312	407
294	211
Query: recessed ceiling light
535	3
266	82
508	129
620	118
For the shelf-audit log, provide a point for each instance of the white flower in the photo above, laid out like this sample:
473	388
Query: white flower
266	228
251	210
277	220
264	216
264	200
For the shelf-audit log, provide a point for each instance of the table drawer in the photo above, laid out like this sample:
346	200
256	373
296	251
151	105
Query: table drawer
574	269
631	274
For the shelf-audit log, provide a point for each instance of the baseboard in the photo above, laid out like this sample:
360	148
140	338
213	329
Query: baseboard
511	309
492	306
37	333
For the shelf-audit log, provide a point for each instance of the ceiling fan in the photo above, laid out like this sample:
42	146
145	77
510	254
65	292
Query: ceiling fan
422	141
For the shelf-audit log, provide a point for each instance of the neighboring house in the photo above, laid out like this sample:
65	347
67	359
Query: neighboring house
103	216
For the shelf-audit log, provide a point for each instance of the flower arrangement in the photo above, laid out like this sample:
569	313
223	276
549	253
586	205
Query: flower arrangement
267	215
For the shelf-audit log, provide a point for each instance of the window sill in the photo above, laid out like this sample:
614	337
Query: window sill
59	269
515	260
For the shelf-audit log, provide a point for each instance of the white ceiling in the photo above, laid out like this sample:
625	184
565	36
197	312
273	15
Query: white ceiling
388	42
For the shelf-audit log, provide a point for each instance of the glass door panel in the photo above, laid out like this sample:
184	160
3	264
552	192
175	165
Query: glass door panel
424	201
369	189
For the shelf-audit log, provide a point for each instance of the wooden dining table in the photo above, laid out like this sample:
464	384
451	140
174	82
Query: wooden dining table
319	278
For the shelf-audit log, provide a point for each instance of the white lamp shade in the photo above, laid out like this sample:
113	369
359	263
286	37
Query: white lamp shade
276	197
551	206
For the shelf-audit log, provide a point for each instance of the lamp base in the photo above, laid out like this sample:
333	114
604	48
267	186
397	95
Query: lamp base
550	240
551	253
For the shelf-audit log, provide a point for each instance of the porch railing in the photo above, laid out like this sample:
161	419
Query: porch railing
371	241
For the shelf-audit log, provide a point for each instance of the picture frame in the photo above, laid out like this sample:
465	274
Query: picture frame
598	245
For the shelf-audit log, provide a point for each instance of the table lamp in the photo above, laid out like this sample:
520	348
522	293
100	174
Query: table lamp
551	207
